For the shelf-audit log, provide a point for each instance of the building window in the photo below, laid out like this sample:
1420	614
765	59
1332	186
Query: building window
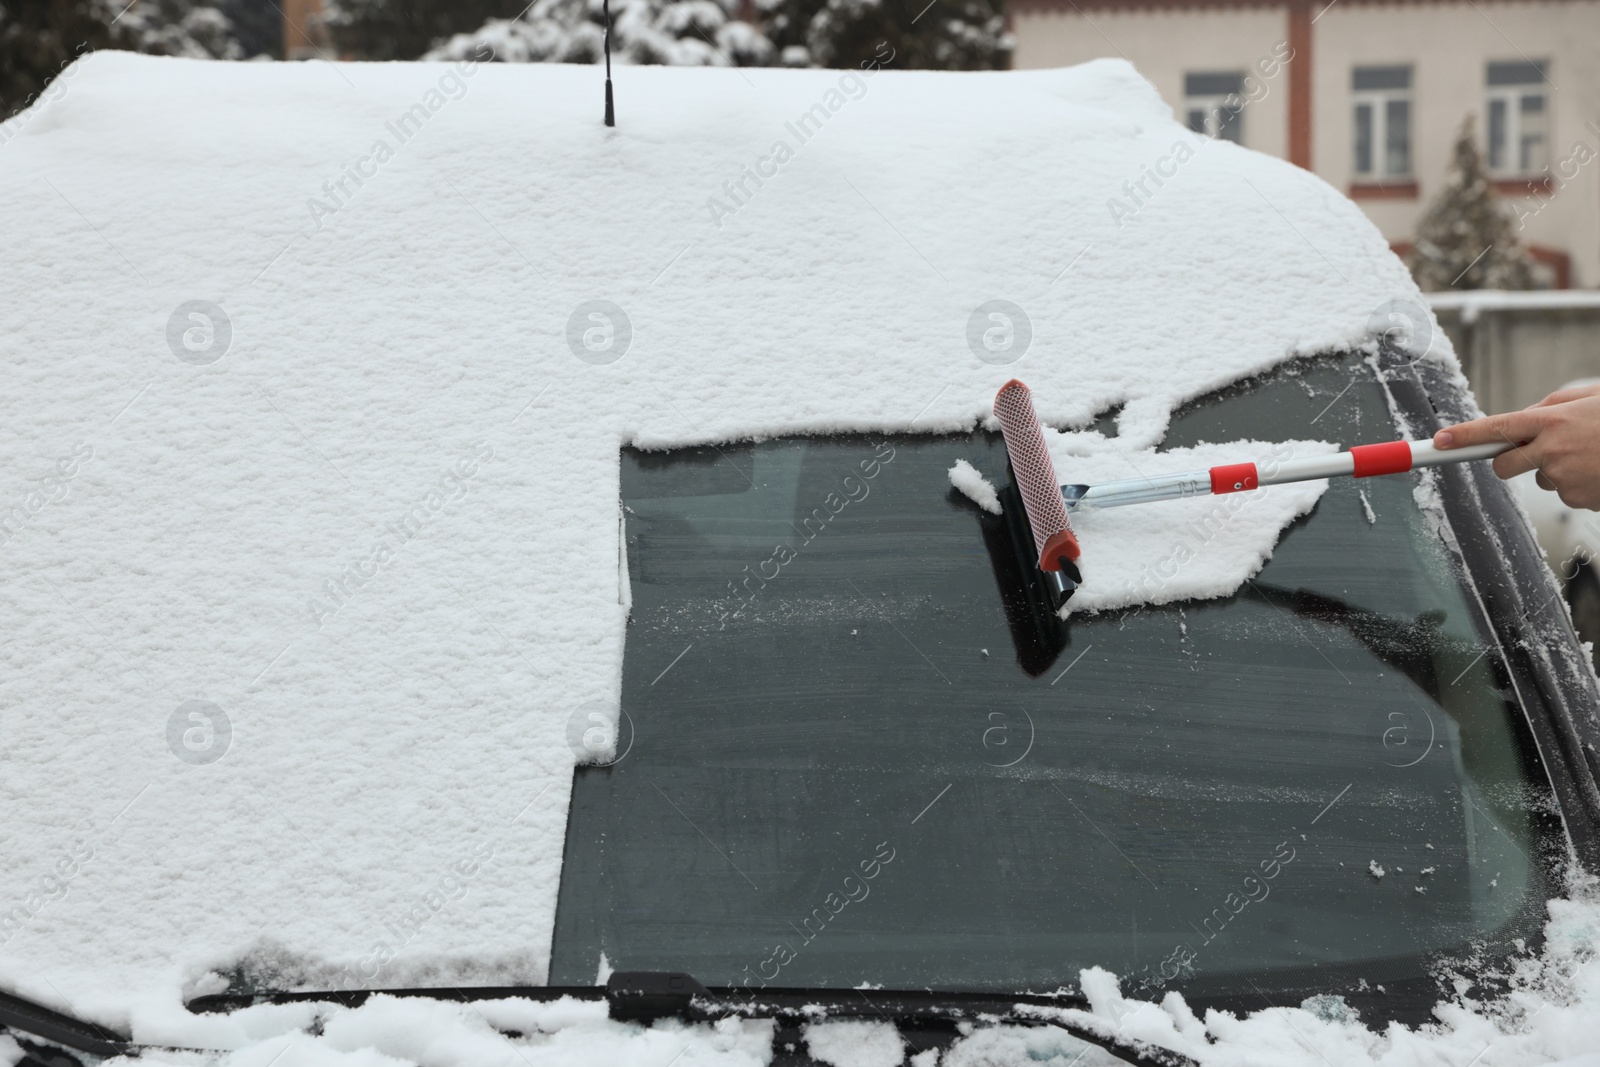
1382	97
1214	104
1519	118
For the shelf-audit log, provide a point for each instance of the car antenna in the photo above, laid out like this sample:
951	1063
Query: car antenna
611	113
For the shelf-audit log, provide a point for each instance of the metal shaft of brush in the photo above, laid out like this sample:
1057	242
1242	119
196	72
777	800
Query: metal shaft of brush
1364	461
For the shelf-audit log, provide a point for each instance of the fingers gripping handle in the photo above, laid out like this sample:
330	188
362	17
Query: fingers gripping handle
1035	475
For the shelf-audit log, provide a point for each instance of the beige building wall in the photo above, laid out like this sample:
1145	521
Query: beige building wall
1164	45
1448	45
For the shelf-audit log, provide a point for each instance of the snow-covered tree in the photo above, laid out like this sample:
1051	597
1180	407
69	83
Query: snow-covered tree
40	38
699	33
941	34
405	29
1466	239
257	25
918	34
192	28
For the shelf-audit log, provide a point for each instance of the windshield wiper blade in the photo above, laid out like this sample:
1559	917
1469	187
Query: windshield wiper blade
24	1016
213	1003
645	996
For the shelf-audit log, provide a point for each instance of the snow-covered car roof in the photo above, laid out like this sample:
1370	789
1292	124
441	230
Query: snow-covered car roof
315	380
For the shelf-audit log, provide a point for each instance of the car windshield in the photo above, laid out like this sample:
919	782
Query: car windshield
839	763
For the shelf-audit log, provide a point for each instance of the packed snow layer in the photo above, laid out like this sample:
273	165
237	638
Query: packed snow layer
391	1032
855	1043
974	486
1550	1015
1193	548
314	384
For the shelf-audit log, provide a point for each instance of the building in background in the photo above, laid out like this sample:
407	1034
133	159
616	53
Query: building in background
304	35
1371	96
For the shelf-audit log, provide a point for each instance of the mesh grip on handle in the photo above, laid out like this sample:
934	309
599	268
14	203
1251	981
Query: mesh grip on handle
1035	475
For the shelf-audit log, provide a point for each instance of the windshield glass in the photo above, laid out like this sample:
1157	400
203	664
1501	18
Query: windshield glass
835	769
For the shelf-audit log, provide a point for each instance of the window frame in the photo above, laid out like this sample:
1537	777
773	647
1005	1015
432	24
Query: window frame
1218	119
1511	593
1559	696
1377	101
1511	97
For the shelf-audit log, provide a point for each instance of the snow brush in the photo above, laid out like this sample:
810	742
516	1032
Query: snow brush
1049	503
1034	476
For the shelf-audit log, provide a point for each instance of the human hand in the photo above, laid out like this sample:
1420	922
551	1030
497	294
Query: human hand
1559	437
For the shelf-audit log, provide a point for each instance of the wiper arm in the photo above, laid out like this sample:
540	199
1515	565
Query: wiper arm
644	996
1410	646
24	1016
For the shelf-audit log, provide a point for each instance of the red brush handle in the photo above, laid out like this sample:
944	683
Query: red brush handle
1362	461
1234	478
1393	457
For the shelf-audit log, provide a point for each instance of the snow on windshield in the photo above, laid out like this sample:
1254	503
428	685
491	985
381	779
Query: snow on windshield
316	382
1196	548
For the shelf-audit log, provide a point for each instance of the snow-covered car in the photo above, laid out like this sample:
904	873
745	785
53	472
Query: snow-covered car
486	588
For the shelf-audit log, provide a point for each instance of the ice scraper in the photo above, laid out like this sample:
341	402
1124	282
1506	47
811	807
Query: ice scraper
1048	503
